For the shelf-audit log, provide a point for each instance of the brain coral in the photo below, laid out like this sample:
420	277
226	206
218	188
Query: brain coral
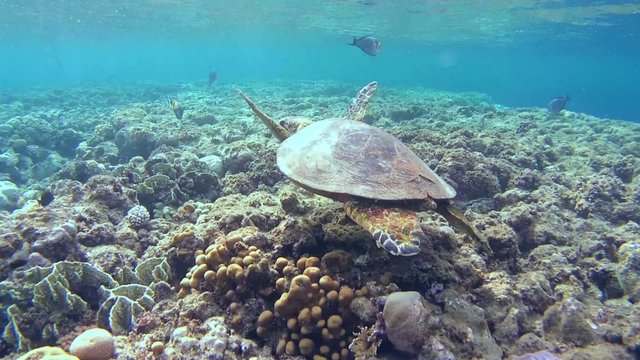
93	344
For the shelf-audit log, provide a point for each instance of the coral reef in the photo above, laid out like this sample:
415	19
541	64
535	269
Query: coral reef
70	290
313	305
123	305
144	205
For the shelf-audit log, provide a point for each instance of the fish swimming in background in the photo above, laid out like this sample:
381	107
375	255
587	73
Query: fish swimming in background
176	108
46	198
556	105
212	77
368	44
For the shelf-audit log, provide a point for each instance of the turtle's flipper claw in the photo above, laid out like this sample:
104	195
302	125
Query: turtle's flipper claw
394	229
389	242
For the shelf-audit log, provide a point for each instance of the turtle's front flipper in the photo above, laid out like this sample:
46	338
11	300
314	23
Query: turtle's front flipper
395	230
358	107
456	218
276	129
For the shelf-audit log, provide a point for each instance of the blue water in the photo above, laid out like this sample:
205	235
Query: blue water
597	66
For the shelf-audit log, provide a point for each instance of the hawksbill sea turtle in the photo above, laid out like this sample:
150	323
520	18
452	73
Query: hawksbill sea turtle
379	179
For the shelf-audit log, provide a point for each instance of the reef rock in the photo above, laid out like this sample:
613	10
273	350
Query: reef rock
404	315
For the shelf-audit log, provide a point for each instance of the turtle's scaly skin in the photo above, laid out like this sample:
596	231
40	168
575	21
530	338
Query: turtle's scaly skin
358	106
295	123
396	230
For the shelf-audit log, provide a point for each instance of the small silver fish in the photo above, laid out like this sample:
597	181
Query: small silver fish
369	44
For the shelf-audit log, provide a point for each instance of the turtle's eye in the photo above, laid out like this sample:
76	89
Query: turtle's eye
283	123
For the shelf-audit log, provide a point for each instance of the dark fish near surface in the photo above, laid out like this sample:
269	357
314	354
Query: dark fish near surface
368	44
46	198
178	110
556	105
213	76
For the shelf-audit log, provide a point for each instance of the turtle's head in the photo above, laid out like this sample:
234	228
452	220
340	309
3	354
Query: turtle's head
294	123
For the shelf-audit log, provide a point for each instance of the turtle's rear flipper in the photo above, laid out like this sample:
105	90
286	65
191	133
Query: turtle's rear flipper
393	229
456	218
